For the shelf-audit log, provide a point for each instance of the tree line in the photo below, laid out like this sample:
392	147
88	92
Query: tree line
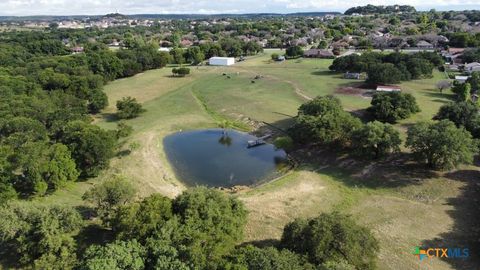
48	95
199	229
372	9
389	68
442	145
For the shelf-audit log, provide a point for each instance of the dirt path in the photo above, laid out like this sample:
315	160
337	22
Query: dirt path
298	90
155	176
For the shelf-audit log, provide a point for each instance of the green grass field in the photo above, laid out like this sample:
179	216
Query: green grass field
403	205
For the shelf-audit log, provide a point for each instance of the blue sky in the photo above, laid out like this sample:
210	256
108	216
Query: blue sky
95	7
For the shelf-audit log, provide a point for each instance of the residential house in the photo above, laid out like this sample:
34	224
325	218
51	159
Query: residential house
388	88
318	53
471	67
453	67
422	44
352	75
453	55
77	49
186	43
461	79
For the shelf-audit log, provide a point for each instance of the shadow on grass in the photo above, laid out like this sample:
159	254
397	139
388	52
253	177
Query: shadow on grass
441	97
325	73
93	234
110	117
363	114
465	232
86	212
8	257
397	170
284	114
262	243
407	125
441	101
123	153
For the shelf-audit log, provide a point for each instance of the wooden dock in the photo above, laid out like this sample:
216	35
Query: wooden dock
259	141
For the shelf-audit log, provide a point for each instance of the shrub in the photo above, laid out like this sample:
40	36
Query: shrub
128	108
181	72
123	130
294	52
285	143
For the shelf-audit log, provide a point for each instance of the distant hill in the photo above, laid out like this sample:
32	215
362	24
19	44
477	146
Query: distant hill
116	16
246	15
166	16
372	9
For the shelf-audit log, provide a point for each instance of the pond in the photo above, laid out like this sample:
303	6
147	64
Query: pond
214	159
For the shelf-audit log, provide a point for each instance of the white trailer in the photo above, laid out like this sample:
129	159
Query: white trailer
221	61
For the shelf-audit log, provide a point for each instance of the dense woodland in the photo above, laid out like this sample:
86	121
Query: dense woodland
50	92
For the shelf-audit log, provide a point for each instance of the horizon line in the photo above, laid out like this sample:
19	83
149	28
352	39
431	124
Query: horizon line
463	8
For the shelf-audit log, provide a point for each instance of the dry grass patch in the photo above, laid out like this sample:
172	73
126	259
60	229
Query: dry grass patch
271	206
400	225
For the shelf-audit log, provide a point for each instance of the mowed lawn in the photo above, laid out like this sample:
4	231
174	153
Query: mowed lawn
427	210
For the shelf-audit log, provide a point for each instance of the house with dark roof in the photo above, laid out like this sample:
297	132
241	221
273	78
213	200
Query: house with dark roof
77	49
472	67
422	44
318	53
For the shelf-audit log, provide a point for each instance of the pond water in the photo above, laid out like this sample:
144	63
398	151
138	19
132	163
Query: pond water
210	158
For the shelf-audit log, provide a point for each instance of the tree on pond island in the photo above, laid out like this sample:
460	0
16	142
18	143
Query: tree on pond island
441	145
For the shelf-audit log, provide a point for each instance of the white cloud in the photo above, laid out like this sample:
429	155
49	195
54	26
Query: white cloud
69	7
